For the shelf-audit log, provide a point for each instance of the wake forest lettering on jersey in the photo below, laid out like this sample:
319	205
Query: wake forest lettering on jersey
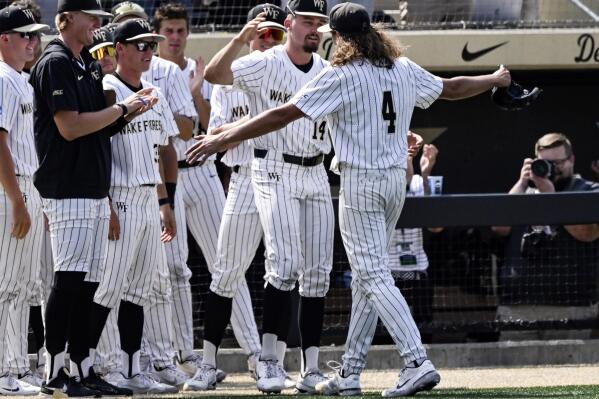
142	126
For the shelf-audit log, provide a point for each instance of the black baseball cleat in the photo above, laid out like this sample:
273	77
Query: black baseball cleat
95	382
63	386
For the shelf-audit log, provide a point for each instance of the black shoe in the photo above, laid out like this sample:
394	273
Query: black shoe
63	386
93	381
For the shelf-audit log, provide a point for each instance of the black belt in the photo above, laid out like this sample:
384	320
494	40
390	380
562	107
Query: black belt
302	161
185	165
236	169
147	185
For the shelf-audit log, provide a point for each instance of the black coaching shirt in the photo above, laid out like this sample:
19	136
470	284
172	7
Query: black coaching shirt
69	169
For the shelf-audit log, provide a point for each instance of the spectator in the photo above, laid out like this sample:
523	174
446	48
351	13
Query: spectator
550	265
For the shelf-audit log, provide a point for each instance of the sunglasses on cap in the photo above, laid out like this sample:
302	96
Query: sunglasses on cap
103	52
276	34
25	35
143	46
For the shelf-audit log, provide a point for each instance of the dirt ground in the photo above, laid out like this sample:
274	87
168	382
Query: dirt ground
377	380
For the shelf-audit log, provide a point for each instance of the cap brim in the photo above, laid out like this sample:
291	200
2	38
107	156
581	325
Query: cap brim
98	13
32	28
158	38
100	45
311	14
136	14
271	24
325	28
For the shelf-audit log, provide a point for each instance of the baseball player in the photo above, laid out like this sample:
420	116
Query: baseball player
72	127
291	191
157	342
136	253
371	146
20	203
18	329
240	230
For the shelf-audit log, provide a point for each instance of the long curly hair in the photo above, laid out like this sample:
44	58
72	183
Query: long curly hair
374	46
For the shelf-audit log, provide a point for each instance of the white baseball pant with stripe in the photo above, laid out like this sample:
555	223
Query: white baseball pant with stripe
19	264
136	264
78	234
238	239
370	202
296	214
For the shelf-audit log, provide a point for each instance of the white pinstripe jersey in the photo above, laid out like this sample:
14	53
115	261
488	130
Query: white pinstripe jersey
406	252
135	148
16	117
174	84
230	105
180	145
369	109
270	79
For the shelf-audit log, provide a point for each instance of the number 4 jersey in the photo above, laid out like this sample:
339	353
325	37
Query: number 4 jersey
369	109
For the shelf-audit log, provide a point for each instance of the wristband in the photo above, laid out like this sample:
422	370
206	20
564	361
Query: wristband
123	109
163	201
171	188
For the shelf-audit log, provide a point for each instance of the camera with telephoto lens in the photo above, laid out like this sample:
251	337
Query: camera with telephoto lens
542	168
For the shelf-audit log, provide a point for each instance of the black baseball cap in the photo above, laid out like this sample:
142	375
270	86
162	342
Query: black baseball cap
135	29
19	19
314	8
92	7
127	9
274	16
347	18
102	37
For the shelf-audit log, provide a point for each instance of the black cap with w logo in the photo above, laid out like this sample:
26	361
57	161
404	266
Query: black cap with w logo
315	8
19	19
274	16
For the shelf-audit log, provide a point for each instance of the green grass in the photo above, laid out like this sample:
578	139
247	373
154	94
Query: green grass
564	392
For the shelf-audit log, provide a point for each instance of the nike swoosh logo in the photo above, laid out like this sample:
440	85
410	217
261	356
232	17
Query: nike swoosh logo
471	56
159	77
79	77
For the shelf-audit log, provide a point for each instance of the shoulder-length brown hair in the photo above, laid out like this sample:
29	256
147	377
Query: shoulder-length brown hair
373	46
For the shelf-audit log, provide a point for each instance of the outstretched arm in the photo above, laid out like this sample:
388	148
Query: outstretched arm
462	87
266	122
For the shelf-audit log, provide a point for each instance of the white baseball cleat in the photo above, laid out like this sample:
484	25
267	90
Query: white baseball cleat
306	383
337	384
143	383
270	376
203	380
414	379
289	382
170	375
193	363
10	386
31	379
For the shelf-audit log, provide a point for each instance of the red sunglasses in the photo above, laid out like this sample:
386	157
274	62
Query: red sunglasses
276	34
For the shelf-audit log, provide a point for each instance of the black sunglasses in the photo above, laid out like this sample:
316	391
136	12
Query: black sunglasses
25	35
143	46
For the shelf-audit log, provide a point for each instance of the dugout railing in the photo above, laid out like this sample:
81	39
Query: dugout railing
479	285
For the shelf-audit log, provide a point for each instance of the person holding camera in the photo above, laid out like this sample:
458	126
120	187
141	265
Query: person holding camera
550	265
553	171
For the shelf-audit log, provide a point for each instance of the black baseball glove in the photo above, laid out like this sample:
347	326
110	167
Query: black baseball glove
514	97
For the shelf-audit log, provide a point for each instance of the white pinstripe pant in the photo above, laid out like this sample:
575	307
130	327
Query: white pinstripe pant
135	267
296	213
370	202
19	265
78	234
238	239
